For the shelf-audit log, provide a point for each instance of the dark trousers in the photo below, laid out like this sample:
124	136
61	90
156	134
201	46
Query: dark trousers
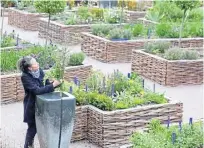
31	132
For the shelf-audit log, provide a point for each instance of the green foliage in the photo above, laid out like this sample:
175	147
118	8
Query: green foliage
26	3
84	13
72	20
187	5
193	29
156	47
112	16
181	54
137	30
76	59
101	29
10	58
167	30
158	136
120	33
154	16
7	41
50	6
97	13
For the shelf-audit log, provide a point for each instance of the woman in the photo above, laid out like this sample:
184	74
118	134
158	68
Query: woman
32	80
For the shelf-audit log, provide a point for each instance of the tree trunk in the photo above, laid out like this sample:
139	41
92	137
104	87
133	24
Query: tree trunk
48	29
181	27
121	15
2	23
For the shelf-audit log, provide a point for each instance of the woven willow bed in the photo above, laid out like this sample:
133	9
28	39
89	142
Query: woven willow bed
111	129
108	51
167	72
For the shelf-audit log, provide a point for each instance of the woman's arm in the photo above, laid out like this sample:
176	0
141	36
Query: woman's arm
34	88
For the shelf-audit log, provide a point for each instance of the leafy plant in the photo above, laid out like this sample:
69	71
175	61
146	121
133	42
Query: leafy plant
97	13
7	41
50	7
72	20
83	13
101	29
154	16
185	6
167	30
156	47
112	16
76	59
188	136
116	33
137	30
181	54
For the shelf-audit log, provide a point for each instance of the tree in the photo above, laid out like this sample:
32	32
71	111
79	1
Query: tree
51	7
185	5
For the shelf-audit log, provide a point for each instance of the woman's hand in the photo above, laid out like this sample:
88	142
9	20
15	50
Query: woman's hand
56	83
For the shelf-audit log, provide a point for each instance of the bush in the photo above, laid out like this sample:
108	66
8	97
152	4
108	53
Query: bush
101	29
72	20
112	16
76	59
156	47
83	12
181	54
194	29
7	41
97	13
158	136
116	33
138	30
167	30
10	58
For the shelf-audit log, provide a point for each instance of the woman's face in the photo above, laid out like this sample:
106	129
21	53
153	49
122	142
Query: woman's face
34	66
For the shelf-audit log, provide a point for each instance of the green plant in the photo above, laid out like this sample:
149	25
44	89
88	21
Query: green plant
10	58
97	13
154	98
116	33
137	30
101	29
156	47
76	59
84	13
181	54
167	30
154	16
72	20
50	7
127	34
26	3
193	29
185	6
158	136
112	16
71	3
8	3
7	41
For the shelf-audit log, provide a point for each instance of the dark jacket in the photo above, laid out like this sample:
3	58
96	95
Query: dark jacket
32	87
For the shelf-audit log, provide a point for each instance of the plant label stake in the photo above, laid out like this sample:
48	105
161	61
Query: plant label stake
17	40
143	83
70	90
112	89
104	83
149	33
75	80
168	122
78	83
191	121
128	75
173	137
86	88
180	126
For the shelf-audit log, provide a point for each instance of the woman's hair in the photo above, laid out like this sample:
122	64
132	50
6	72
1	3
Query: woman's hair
24	63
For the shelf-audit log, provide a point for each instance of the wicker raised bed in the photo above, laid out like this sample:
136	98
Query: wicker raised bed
23	19
167	72
12	89
108	51
61	33
113	128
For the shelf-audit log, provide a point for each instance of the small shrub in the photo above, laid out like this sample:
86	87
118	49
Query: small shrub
101	29
76	59
137	30
116	34
156	47
112	16
83	12
181	54
72	20
97	13
7	41
167	30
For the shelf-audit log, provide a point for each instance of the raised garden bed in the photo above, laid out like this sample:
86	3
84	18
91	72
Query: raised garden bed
167	72
24	20
108	51
12	89
61	33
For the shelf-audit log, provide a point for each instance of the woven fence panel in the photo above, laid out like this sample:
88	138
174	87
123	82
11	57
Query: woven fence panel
149	66
186	43
184	72
95	126
81	72
119	125
20	89
80	124
24	20
8	89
